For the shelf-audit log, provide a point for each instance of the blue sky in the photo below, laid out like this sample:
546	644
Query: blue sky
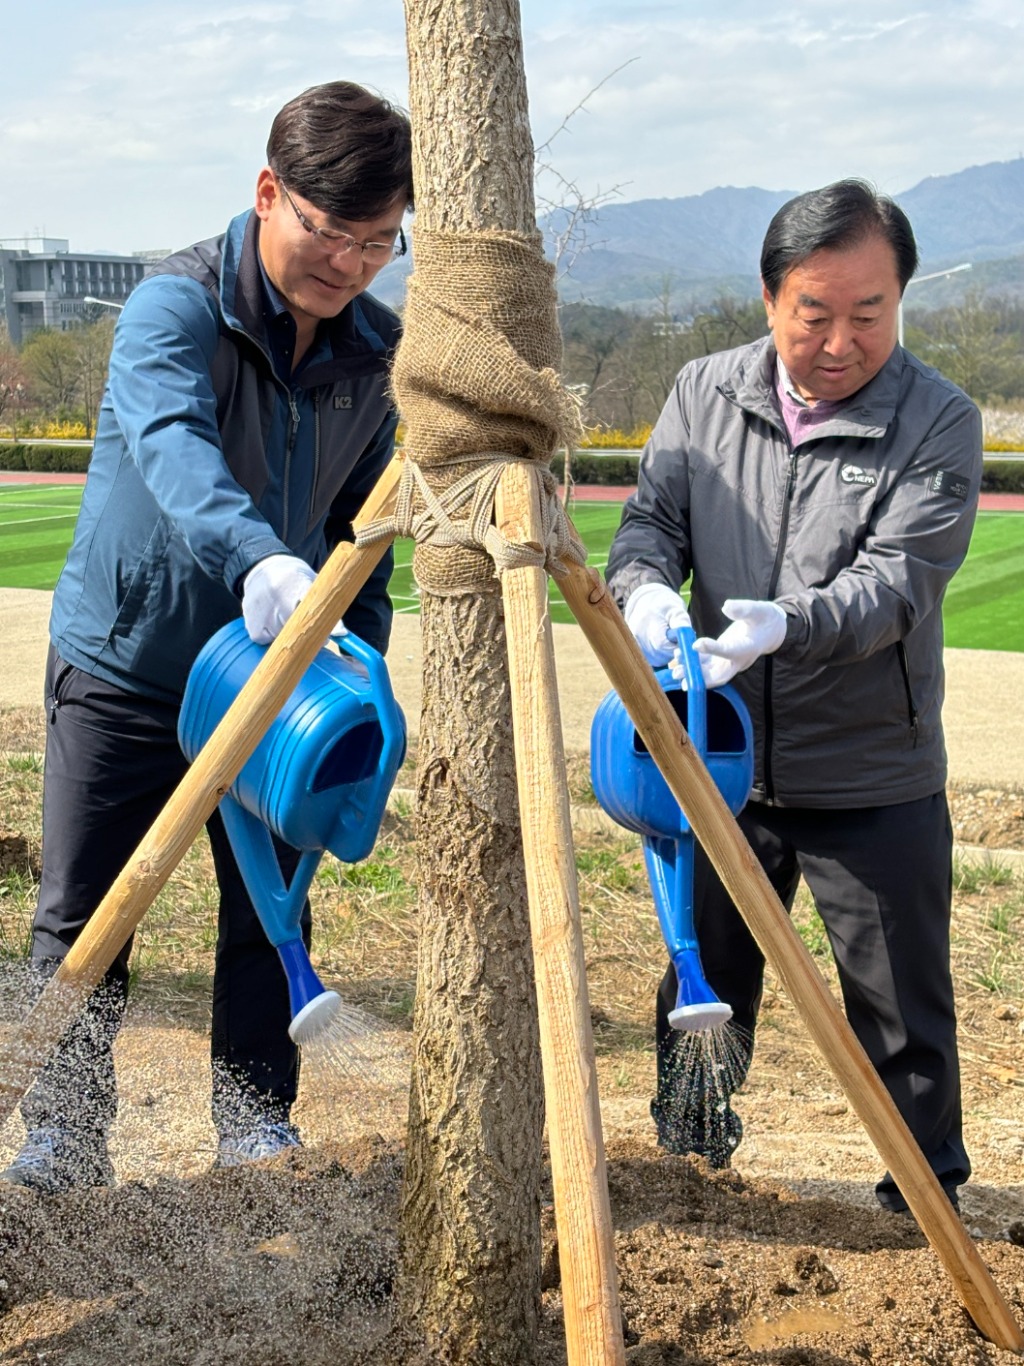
128	126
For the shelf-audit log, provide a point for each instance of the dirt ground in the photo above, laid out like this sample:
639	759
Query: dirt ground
783	1259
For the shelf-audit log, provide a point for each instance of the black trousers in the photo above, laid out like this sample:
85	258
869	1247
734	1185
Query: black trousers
881	878
112	761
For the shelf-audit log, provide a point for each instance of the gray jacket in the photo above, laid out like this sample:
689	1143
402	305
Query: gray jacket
855	533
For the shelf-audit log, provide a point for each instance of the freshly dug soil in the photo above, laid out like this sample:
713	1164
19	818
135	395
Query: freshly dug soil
989	817
784	1259
294	1262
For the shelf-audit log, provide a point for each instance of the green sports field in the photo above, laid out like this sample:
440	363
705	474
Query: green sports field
36	523
984	604
596	523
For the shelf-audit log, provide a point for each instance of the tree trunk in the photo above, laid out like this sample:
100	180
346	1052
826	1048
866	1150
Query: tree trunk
471	1206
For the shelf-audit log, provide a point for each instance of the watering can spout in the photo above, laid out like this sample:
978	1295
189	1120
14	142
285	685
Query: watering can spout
670	872
312	1006
630	788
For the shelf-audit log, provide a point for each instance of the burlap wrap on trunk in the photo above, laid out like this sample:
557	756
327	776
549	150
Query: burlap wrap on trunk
476	378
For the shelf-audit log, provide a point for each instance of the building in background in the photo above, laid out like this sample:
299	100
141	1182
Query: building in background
44	284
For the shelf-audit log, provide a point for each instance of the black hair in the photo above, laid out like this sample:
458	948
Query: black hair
835	218
346	150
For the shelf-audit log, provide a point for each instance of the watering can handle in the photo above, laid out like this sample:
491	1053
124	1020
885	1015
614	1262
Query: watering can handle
696	691
391	721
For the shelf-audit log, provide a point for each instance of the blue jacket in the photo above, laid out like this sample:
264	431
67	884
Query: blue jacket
197	470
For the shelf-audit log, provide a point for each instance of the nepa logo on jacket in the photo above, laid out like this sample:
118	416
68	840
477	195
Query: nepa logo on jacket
853	474
953	485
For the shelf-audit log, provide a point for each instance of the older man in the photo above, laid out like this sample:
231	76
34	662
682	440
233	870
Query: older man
820	487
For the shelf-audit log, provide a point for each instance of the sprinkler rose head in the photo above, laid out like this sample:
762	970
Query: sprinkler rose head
314	1017
701	1015
312	1007
697	1007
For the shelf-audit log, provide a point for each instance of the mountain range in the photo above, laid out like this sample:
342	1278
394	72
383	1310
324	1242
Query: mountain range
649	252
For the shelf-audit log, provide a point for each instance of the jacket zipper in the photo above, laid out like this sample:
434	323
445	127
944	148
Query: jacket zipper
316	454
293	409
289	449
773	583
901	655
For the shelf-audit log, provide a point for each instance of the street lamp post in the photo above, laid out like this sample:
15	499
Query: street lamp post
103	303
919	280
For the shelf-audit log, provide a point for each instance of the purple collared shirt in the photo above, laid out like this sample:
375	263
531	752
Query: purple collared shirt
799	416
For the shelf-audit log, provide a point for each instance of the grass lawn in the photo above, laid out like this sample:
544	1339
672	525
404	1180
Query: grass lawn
36	523
596	523
984	608
984	604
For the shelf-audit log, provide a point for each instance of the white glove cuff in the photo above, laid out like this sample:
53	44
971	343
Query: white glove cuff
651	598
781	624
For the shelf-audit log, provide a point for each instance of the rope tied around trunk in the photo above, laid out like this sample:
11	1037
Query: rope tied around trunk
427	517
476	381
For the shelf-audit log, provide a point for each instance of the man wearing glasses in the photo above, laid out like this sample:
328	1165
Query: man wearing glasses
246	417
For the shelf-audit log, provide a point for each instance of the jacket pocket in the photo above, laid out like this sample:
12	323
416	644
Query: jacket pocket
908	690
62	672
136	585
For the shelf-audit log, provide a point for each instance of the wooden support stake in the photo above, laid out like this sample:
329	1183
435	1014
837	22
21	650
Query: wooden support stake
215	768
586	1250
709	816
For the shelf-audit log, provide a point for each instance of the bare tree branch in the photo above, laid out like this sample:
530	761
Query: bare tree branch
543	147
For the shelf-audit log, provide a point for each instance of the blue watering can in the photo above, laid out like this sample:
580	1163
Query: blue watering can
319	779
630	787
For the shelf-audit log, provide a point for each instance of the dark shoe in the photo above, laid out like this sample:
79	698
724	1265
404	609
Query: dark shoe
266	1140
893	1202
55	1160
713	1132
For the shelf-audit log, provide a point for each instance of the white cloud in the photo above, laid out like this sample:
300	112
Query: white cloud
783	99
127	127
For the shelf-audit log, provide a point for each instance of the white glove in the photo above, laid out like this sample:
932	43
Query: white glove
271	591
651	612
758	628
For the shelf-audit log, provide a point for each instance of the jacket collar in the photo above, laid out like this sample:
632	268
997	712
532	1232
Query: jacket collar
751	386
352	338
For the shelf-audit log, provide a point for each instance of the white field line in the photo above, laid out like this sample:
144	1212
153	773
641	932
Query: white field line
15	491
6	503
34	521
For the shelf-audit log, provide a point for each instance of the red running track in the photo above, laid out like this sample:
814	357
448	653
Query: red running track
583	493
607	493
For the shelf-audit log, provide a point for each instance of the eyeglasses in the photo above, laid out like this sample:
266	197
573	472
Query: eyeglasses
341	243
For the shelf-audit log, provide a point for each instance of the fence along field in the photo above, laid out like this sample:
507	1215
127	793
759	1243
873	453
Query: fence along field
984	607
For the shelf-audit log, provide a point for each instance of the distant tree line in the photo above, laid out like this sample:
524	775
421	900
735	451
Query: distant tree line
625	362
53	383
622	362
978	344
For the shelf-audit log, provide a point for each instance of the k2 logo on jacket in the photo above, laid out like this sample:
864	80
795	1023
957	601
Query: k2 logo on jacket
853	474
343	401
